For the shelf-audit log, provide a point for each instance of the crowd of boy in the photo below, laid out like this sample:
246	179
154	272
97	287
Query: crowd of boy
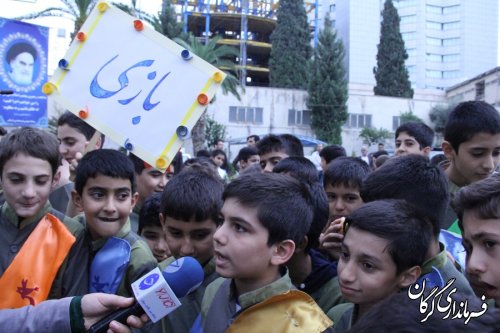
283	247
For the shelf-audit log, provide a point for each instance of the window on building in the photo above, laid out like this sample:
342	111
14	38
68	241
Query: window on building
409	35
451	74
357	120
433	25
433	9
404	3
333	8
433	57
299	117
408	19
451	9
433	74
411	52
451	41
433	41
451	58
451	25
245	115
480	91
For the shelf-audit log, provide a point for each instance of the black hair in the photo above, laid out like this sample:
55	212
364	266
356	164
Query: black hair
303	169
68	118
285	143
105	162
346	171
283	204
254	136
32	142
3	131
217	152
468	119
407	231
298	167
331	152
422	133
245	153
414	179
483	197
149	215
139	165
379	153
193	194
19	48
202	153
400	313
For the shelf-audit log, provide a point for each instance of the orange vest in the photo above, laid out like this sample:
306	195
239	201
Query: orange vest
29	277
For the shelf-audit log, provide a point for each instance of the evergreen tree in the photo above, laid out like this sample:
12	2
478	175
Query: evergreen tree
291	47
390	73
328	87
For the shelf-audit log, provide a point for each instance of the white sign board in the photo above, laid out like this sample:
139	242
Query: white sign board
133	84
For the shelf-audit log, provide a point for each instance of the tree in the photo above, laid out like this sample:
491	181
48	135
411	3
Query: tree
214	131
327	89
77	10
391	74
409	116
217	55
291	47
438	116
372	135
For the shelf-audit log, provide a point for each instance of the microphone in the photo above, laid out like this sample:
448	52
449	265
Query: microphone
157	292
6	92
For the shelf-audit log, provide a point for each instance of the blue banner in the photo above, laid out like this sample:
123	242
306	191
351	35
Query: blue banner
23	71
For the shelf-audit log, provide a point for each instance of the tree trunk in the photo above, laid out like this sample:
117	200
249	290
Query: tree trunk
198	133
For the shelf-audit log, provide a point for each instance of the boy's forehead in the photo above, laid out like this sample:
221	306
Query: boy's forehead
108	182
342	187
483	140
275	153
21	163
191	225
365	243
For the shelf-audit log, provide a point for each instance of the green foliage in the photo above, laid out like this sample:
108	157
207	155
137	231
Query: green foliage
372	135
291	48
327	89
438	116
391	74
213	131
409	116
77	10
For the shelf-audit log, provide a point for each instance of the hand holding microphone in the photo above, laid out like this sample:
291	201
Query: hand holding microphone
158	292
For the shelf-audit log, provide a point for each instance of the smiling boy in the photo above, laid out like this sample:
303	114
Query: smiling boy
478	209
41	249
383	248
105	193
264	215
414	138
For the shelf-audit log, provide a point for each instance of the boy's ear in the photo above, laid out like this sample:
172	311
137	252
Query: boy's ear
55	180
283	251
447	150
134	198
409	276
426	151
77	200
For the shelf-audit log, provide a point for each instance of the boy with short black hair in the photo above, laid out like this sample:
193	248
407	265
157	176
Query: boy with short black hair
414	137
342	183
478	210
189	213
472	146
41	249
329	153
150	228
149	180
246	157
264	215
309	269
74	136
273	148
105	193
384	245
414	179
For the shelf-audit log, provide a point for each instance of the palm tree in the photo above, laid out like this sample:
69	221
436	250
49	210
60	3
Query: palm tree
219	56
77	10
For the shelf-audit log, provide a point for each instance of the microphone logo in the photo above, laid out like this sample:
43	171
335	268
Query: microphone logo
149	281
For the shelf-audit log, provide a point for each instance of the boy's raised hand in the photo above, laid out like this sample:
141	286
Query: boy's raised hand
330	240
